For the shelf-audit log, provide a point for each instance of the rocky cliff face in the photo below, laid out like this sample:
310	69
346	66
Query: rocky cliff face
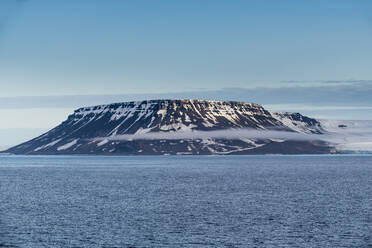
299	123
175	127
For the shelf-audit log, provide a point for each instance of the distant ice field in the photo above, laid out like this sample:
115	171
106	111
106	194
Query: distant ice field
349	135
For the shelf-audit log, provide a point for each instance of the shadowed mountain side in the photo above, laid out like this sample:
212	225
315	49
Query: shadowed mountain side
97	130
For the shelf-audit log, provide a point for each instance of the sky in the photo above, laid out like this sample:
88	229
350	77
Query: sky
312	57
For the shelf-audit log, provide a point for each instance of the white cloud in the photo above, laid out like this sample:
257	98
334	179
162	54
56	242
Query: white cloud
223	134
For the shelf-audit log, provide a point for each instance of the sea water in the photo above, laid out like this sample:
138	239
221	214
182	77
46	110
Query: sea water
186	201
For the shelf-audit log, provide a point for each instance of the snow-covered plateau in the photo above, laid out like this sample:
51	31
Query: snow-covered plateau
181	127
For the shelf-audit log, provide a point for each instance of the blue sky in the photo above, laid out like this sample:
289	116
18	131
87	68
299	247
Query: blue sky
307	56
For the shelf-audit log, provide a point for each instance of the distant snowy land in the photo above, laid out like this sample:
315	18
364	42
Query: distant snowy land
189	127
349	135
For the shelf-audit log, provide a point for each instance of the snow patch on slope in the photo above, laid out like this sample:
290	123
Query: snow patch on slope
298	122
68	145
47	145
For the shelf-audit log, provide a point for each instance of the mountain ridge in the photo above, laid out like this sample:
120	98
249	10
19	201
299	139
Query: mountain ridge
85	130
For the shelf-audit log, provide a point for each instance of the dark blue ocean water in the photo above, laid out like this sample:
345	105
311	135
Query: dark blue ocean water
186	201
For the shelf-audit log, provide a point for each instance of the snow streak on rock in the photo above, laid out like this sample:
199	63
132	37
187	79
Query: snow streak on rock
93	130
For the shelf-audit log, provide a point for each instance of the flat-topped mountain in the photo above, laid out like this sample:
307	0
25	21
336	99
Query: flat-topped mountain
177	127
